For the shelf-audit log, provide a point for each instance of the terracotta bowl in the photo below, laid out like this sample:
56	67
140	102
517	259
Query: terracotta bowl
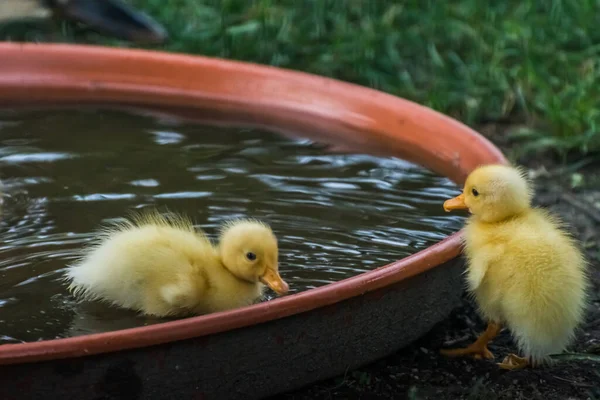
275	346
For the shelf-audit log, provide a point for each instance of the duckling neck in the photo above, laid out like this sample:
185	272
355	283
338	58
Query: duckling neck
500	217
233	278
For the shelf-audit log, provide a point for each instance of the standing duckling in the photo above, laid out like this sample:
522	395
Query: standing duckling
161	266
525	271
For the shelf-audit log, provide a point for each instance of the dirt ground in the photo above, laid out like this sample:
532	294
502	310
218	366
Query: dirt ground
419	372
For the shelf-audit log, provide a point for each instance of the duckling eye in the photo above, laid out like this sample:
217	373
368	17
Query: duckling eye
475	192
251	256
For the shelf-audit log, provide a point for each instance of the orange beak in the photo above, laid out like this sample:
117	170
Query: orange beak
457	203
272	279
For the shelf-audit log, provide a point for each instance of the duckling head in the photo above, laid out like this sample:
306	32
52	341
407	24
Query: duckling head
493	193
249	250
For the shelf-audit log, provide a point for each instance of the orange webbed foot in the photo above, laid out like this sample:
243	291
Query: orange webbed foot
477	352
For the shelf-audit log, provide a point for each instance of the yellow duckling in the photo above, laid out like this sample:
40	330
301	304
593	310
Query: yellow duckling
525	271
161	266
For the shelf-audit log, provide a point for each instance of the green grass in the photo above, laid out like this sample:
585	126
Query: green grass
533	61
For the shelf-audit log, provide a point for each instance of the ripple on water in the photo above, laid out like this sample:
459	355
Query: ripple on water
335	215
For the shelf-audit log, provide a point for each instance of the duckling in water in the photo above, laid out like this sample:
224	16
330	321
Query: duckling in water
162	266
112	17
525	271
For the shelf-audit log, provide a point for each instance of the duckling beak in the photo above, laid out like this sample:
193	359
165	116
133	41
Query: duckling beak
114	18
457	203
272	279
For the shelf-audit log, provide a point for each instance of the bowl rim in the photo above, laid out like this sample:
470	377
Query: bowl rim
65	73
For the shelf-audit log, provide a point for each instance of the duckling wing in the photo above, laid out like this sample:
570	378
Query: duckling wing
180	295
480	260
185	293
477	270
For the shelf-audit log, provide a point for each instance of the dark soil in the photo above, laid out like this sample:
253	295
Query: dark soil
419	372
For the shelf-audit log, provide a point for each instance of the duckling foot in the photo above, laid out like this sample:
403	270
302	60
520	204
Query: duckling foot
513	361
477	350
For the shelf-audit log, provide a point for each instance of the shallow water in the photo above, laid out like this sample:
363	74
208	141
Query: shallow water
67	172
